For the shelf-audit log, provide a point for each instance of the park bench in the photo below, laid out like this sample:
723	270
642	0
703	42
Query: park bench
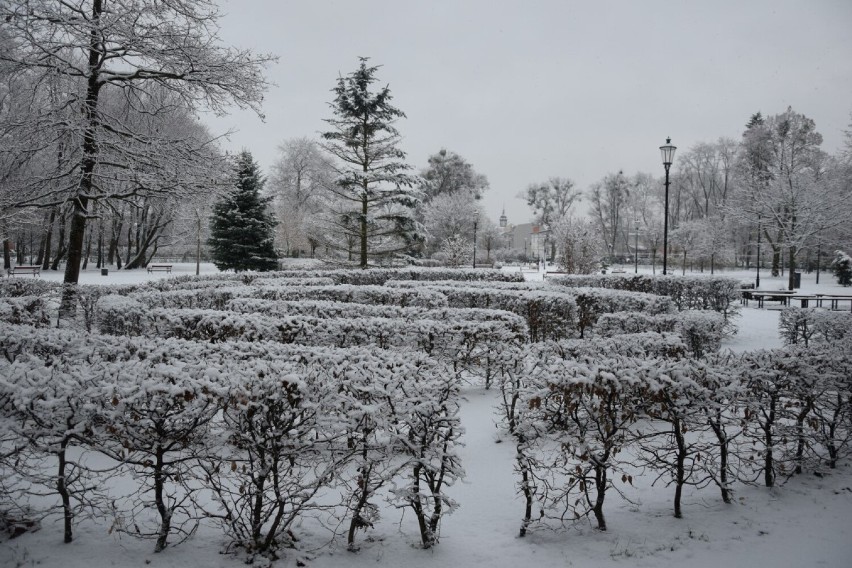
25	269
160	268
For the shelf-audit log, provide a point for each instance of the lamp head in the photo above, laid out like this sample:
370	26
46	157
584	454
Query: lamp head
668	152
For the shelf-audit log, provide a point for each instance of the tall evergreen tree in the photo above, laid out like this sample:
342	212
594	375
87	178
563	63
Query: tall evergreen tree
242	228
372	182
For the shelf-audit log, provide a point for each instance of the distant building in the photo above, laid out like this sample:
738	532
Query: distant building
527	237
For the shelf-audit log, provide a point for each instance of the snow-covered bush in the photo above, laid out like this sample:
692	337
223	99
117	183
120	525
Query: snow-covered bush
575	420
12	287
549	315
154	419
373	276
842	268
468	345
265	427
203	298
428	438
620	323
48	411
365	294
701	330
27	310
719	294
802	325
592	303
120	315
326	309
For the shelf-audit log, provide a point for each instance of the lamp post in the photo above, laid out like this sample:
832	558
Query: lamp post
757	278
668	152
819	256
636	250
475	221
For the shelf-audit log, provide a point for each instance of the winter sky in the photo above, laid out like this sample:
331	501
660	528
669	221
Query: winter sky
527	90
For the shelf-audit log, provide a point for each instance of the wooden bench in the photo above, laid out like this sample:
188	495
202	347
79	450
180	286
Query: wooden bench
25	269
160	268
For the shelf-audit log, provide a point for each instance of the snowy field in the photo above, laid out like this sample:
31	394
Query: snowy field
805	522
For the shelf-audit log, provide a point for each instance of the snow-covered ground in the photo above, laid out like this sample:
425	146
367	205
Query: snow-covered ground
806	522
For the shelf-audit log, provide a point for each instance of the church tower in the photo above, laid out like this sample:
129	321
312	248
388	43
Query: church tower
503	219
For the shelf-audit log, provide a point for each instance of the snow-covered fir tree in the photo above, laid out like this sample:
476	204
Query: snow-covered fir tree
242	229
375	193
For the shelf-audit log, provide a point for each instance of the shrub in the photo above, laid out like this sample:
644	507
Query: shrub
842	268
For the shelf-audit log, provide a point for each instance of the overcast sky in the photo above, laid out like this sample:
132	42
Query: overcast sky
527	90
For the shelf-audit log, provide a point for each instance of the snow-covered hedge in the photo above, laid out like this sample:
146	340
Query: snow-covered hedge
262	426
380	276
366	294
701	330
214	298
549	315
27	310
717	293
27	287
120	315
592	303
582	423
619	323
468	345
803	325
328	309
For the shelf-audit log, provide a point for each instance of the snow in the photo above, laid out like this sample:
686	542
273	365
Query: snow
806	522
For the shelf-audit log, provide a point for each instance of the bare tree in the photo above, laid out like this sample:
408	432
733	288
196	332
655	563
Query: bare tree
300	179
551	200
131	48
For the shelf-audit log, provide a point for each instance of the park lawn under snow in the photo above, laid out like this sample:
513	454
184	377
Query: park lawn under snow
805	522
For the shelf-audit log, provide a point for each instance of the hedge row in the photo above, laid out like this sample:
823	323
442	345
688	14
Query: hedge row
467	345
246	434
701	330
720	294
803	325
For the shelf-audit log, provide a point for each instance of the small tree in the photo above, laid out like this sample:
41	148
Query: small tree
842	268
580	244
242	230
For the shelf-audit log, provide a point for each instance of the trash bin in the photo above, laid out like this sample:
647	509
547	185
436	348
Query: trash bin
797	280
104	271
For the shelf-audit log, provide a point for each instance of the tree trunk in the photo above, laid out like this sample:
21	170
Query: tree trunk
7	254
159	500
90	155
88	252
680	470
600	487
364	229
62	488
791	265
63	244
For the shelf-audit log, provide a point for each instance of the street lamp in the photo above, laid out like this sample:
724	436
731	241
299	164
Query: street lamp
757	278
636	250
475	221
668	152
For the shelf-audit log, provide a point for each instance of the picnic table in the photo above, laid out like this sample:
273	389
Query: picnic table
782	296
25	269
787	297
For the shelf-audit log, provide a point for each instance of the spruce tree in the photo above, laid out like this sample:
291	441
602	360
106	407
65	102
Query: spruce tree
241	229
373	186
